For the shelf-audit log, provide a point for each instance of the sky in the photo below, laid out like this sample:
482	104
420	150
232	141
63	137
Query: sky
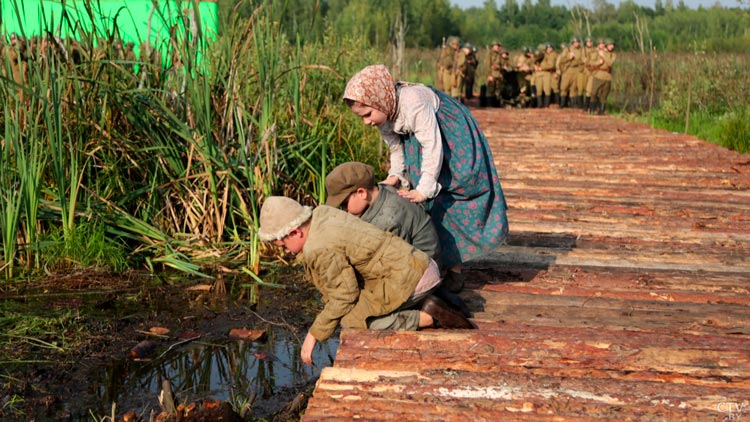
693	4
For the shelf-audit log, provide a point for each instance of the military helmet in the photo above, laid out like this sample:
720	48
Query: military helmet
608	41
453	40
575	39
496	42
526	49
549	45
600	40
588	39
468	45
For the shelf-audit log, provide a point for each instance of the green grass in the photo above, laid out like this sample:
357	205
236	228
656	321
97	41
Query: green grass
730	130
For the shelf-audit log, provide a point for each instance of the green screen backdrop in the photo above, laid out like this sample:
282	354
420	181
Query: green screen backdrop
132	20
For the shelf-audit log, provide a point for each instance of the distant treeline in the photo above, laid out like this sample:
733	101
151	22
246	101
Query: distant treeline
668	26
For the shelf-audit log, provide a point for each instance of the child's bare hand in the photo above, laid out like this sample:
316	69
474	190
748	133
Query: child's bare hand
392	180
307	349
413	195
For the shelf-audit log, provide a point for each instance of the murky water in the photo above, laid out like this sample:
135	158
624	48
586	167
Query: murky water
198	356
269	373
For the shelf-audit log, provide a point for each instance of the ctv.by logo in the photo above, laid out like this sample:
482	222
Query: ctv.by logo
733	410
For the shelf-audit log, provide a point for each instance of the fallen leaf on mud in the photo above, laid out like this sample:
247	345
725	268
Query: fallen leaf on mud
129	416
142	349
159	330
243	334
211	404
260	355
199	288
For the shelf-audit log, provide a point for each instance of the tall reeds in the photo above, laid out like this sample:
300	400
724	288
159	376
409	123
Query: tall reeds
171	157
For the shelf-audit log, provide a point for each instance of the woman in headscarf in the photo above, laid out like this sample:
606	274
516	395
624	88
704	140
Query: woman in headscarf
438	151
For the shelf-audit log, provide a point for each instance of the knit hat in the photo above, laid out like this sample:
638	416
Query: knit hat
280	215
345	179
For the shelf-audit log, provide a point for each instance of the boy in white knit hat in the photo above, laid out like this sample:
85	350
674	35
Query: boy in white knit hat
369	278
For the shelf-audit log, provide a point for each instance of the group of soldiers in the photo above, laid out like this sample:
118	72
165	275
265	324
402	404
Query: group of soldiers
578	76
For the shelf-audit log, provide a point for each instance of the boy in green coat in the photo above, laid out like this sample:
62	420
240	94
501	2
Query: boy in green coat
368	278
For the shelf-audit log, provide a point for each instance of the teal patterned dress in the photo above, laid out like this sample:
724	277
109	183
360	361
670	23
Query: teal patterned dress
470	210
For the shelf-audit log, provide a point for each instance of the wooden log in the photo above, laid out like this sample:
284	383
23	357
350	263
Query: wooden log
705	360
723	314
441	393
539	258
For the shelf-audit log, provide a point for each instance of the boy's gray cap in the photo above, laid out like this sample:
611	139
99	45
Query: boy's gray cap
345	179
280	215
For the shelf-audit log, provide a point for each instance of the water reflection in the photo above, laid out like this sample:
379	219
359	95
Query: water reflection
271	372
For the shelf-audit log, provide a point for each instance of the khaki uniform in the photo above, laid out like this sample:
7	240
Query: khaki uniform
536	76
449	71
524	65
445	51
459	74
469	71
602	76
495	74
590	57
547	70
572	62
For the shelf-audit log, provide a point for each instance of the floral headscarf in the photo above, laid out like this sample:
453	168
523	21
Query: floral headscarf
374	87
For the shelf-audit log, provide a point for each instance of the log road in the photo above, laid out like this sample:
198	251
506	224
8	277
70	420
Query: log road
621	294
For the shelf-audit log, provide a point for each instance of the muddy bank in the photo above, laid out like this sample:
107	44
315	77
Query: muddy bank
117	338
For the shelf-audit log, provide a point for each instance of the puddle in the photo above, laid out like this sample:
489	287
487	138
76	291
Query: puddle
269	372
198	357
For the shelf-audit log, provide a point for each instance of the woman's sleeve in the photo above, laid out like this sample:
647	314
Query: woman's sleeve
423	120
396	148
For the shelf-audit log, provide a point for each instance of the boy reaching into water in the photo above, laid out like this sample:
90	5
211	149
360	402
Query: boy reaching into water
369	278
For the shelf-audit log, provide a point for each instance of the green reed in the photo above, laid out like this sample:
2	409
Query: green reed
699	93
173	160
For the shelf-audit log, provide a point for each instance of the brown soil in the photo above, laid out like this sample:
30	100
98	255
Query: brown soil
113	311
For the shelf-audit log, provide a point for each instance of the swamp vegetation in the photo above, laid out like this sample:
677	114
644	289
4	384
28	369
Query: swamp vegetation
141	170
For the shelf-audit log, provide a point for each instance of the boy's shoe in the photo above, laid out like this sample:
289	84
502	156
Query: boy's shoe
453	300
453	281
444	316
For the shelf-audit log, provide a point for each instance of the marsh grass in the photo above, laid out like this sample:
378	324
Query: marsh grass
167	165
700	93
54	333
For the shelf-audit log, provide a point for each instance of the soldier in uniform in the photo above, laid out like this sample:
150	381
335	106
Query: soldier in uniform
469	70
602	75
450	68
445	50
495	81
590	57
572	62
557	76
544	82
536	75
524	65
508	82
